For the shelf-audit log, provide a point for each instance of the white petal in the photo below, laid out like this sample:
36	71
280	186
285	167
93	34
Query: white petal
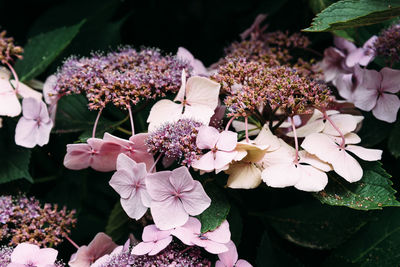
163	111
365	153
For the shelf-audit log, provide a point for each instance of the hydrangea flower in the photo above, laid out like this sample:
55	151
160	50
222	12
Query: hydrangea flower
213	241
198	66
34	126
154	240
197	100
26	254
388	43
378	93
230	258
175	192
129	182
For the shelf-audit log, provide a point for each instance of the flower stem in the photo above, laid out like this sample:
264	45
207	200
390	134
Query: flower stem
246	128
96	122
342	145
296	141
15	76
155	163
72	242
125	131
131	119
229	123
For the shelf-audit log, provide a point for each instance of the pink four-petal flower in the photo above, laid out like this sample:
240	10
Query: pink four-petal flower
26	254
154	240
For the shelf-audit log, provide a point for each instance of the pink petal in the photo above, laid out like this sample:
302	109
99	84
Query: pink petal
243	263
390	80
162	112
365	99
207	137
211	246
43	133
314	161
221	234
49	94
160	245
181	179
205	162
142	248
267	138
77	157
198	113
387	107
9	103
227	141
81	258
196	200
152	233
46	256
281	175
27	92
187	232
24	252
162	211
230	257
345	86
223	158
345	122
133	206
311	179
26	132
365	153
309	128
344	44
159	186
105	158
101	245
31	108
202	92
220	264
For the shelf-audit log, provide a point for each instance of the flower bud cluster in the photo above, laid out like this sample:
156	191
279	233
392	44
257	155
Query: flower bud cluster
25	220
8	50
176	140
122	78
388	43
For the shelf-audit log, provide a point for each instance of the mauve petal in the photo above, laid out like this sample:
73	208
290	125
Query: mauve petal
220	264
133	206
43	133
207	137
227	141
181	179
49	94
365	153
230	257
82	258
221	234
211	246
345	85
77	157
106	157
142	248
46	256
169	213
145	197
187	232
311	179
354	57
12	264
123	183
125	163
31	108
344	44
365	99
27	92
158	185
243	263
26	133
371	79
101	245
195	201
205	162
44	113
387	107
390	80
160	245
152	233
223	158
142	157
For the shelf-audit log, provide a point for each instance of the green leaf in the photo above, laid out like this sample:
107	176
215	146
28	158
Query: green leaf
373	191
354	13
378	244
14	160
43	49
118	223
316	226
73	115
319	5
394	140
212	217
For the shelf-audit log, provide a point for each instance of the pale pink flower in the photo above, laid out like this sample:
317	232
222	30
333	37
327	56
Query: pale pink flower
101	245
329	150
175	193
197	65
362	55
281	169
51	96
100	262
26	254
34	126
197	100
129	182
91	154
154	240
378	93
213	241
9	103
222	149
135	148
347	84
230	258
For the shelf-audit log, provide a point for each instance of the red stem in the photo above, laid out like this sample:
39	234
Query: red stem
229	123
96	122
15	76
296	142
155	163
72	242
131	119
342	145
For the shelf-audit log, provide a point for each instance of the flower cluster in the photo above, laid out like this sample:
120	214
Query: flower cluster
25	220
8	50
122	78
388	43
176	140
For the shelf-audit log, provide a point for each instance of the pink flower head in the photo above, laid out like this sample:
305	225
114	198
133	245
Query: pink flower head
101	245
175	193
362	55
34	126
281	170
154	240
222	149
129	182
378	93
230	258
9	103
26	254
213	241
135	148
197	65
91	154
328	149
197	100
